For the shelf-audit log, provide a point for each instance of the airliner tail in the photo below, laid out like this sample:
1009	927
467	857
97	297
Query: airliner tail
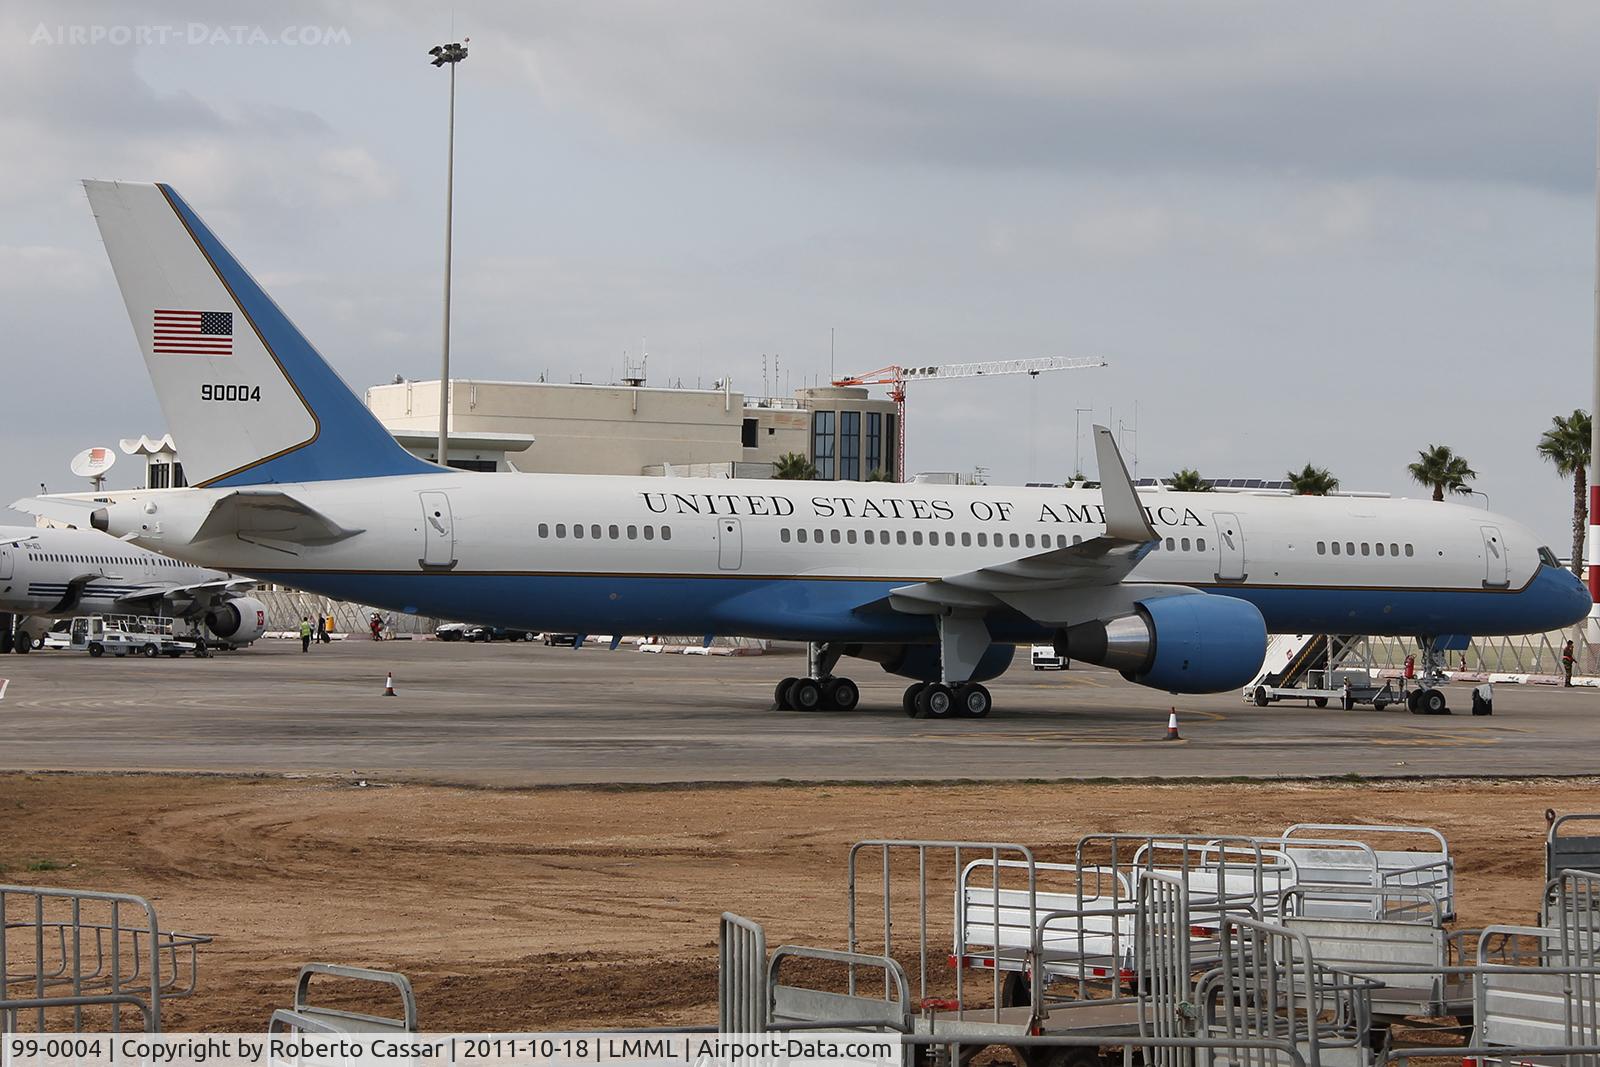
248	399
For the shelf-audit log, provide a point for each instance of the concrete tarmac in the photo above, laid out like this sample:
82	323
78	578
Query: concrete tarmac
525	715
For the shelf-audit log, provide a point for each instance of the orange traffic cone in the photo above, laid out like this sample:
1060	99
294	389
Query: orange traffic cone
1172	726
388	685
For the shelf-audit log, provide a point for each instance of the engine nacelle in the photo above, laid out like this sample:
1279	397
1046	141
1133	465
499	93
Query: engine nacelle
238	621
1194	643
921	662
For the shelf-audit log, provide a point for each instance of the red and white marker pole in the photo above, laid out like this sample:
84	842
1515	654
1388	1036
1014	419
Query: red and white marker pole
1593	552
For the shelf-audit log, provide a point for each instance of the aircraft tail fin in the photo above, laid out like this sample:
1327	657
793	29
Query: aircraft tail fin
248	399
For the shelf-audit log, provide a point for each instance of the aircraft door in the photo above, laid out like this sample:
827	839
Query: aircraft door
1496	567
1230	547
5	561
730	544
438	531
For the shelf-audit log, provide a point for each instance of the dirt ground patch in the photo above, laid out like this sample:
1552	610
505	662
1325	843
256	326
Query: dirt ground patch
571	908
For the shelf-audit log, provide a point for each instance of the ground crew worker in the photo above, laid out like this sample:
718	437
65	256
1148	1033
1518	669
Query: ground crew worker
305	634
1567	656
376	625
322	629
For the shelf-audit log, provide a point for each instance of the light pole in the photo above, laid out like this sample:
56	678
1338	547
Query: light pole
450	54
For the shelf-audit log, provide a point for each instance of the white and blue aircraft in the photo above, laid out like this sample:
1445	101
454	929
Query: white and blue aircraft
48	574
296	482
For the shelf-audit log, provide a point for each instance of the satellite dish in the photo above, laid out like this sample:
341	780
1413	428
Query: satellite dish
93	463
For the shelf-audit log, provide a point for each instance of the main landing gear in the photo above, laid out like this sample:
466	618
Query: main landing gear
935	700
817	694
819	690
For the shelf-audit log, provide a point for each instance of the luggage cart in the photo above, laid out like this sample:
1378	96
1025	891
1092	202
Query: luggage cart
310	1017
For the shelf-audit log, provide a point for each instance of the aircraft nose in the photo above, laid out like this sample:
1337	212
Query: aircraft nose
1572	597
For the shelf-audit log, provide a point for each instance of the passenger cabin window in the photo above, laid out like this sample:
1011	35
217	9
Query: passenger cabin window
1366	549
916	537
544	529
1171	545
1199	544
561	529
801	534
783	535
649	533
1336	548
1379	547
1409	551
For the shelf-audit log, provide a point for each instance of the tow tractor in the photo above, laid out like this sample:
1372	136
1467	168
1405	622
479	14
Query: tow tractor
123	635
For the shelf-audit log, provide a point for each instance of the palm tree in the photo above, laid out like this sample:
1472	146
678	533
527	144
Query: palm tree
1188	481
878	474
1442	470
794	467
1566	444
1313	481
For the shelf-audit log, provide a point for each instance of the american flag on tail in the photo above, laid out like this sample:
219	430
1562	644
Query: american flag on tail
193	333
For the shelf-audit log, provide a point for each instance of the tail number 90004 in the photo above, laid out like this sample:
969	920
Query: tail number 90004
240	394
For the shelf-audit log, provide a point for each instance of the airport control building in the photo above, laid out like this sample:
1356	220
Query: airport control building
631	428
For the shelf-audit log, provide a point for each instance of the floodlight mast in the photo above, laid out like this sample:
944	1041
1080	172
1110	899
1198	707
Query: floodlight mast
450	54
896	377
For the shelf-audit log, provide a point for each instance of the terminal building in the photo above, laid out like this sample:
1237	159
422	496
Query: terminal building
634	429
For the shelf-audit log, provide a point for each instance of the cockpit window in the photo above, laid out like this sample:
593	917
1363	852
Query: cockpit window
1548	558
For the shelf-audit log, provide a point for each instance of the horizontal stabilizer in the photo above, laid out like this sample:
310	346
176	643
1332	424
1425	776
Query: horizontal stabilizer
270	515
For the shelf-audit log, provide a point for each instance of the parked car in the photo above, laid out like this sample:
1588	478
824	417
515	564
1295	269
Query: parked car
497	633
563	640
452	631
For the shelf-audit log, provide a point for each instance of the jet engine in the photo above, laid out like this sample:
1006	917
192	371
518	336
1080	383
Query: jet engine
921	662
1193	643
239	621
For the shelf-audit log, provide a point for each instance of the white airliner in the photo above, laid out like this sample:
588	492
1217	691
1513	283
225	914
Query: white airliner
296	482
55	574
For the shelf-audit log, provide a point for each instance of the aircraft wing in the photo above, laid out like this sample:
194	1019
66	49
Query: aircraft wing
202	594
1059	584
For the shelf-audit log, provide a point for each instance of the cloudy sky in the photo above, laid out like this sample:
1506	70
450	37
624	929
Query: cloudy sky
1326	233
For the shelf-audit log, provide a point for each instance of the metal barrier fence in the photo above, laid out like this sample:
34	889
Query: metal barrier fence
310	1017
743	1001
77	950
993	851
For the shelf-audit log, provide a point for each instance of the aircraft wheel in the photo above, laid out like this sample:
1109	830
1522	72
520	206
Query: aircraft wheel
974	701
97	650
1320	702
936	701
1260	696
24	644
780	696
843	694
151	652
1433	703
1411	700
909	701
805	695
